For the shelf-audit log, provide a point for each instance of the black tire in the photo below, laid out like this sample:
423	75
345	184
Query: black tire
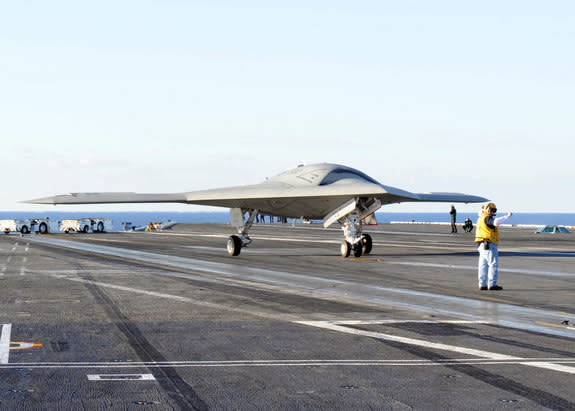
358	250
100	227
234	246
25	229
43	228
367	243
85	229
345	249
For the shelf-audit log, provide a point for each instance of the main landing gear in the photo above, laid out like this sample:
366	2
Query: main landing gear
237	242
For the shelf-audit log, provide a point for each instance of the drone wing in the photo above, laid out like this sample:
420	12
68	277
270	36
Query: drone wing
269	198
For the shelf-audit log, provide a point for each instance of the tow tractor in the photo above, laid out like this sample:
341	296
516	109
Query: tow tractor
28	225
86	225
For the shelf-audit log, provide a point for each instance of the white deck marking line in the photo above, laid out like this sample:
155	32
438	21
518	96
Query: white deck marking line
23	268
474	267
282	363
121	377
5	343
376	322
333	326
97	270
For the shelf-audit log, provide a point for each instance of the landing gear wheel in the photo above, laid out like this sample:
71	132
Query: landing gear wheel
234	245
357	250
345	249
367	243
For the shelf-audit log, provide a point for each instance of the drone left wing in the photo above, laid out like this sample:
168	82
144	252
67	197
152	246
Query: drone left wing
109	198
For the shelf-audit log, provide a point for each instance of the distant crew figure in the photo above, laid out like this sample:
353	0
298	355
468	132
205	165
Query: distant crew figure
467	226
453	214
487	239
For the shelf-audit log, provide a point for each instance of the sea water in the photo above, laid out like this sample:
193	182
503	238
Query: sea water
142	218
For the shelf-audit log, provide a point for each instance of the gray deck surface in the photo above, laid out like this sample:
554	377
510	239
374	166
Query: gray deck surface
168	320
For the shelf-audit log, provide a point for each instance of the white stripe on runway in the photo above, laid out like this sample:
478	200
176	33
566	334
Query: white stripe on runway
283	363
121	377
334	326
23	268
5	343
474	268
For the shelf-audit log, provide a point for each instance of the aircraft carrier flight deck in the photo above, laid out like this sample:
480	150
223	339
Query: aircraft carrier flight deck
168	320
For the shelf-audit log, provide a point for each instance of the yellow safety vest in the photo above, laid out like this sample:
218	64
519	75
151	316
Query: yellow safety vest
483	232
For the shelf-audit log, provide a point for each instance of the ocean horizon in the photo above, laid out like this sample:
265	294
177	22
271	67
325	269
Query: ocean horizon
142	218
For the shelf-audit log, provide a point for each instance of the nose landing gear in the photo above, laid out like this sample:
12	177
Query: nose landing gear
355	241
363	247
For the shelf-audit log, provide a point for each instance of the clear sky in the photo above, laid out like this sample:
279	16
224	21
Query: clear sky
166	96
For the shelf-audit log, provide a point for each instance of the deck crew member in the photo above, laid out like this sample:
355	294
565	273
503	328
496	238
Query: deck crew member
453	214
487	239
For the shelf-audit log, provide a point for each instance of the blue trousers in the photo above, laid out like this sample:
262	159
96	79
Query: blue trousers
487	268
